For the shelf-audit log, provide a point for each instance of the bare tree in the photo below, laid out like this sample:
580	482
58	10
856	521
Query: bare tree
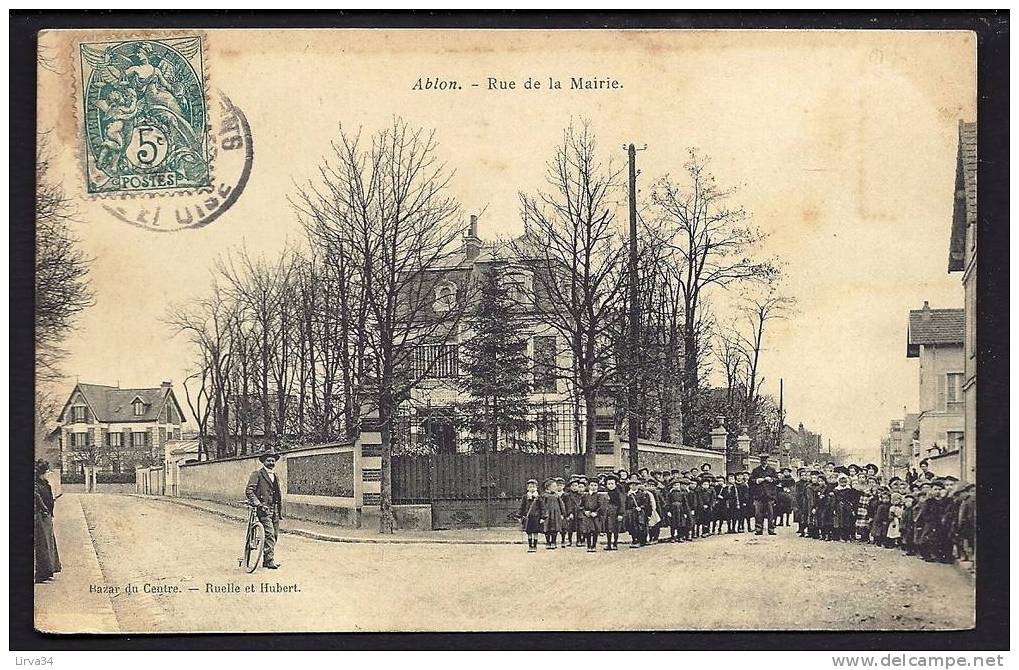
714	243
383	204
757	312
62	289
572	242
261	290
208	323
198	403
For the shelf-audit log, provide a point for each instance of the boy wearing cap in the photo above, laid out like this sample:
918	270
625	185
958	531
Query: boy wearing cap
571	499
581	489
934	544
591	511
560	486
732	503
800	508
635	511
530	515
705	505
743	484
553	513
613	511
679	510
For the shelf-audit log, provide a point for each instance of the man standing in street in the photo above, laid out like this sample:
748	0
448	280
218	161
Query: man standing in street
764	491
263	492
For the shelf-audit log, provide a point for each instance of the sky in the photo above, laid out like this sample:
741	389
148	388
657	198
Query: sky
843	145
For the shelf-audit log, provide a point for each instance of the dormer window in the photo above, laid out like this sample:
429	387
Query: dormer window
518	286
139	407
445	297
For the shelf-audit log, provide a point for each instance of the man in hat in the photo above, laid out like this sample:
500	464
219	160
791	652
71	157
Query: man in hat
263	493
763	492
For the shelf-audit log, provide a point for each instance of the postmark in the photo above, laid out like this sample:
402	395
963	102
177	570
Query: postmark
233	150
146	116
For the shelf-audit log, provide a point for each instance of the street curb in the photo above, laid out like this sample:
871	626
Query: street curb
312	535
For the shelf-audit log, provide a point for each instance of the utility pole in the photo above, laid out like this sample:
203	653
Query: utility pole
633	399
781	414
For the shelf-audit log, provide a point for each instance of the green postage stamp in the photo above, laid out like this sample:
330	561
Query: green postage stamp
146	116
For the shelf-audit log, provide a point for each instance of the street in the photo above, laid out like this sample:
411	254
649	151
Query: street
184	564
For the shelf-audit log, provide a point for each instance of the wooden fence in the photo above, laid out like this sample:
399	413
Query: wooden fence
474	489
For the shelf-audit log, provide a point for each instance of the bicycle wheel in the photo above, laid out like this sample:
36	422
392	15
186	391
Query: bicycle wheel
253	545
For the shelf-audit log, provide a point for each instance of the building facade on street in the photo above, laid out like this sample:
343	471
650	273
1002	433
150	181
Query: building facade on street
962	257
800	445
117	429
935	337
430	418
897	449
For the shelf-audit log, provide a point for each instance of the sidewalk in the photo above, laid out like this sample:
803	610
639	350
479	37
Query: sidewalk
65	604
333	533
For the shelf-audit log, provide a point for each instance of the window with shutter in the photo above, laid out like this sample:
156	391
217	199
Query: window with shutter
953	392
940	406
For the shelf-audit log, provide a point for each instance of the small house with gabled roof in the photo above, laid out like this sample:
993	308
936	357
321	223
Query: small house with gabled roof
117	428
935	336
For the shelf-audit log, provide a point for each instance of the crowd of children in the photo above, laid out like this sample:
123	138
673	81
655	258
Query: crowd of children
930	517
690	504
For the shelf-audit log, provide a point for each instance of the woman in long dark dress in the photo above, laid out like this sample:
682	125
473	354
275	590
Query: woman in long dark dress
47	560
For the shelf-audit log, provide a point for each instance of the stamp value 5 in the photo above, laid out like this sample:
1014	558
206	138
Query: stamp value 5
145	116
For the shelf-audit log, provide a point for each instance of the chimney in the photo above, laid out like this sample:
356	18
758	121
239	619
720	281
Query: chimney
472	243
167	385
926	311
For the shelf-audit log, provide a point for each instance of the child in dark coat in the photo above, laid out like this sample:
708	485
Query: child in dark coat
825	505
881	518
844	502
742	481
705	505
615	501
935	545
553	514
678	510
530	515
571	500
591	512
636	510
732	503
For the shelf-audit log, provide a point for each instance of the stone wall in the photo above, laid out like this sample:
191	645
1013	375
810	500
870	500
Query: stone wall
662	456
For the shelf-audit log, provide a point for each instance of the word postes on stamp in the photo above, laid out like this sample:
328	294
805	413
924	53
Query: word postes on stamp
145	116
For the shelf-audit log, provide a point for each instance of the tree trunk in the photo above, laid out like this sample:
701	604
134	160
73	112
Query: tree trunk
589	430
386	415
688	396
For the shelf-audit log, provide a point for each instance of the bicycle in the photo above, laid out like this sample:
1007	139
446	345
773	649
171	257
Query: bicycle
254	541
